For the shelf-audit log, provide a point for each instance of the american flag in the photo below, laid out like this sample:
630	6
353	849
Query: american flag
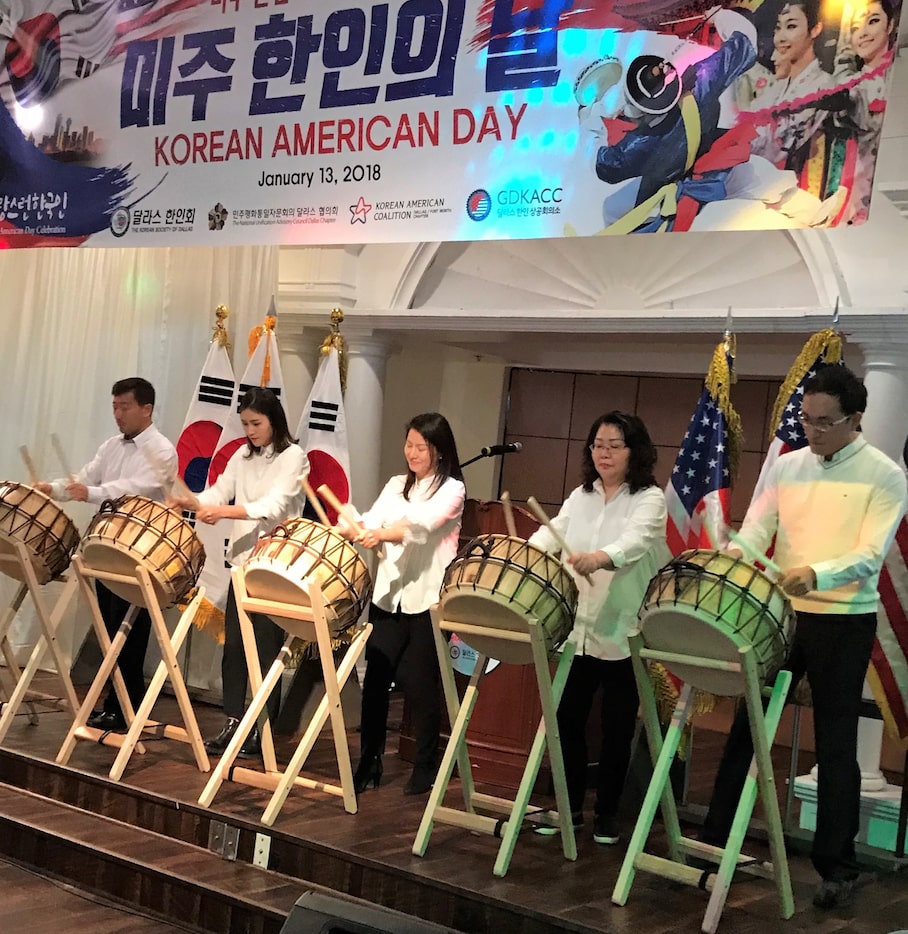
698	494
888	672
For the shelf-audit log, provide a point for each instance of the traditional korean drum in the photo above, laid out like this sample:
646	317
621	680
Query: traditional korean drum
29	518
299	552
500	582
136	531
709	605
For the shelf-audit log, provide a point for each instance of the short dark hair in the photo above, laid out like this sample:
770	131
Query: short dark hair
266	403
839	381
642	457
435	429
141	389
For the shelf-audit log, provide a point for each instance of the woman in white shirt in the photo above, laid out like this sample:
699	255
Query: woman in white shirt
414	526
614	525
259	488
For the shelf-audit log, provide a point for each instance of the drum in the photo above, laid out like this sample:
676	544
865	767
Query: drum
709	604
135	530
498	582
298	551
29	518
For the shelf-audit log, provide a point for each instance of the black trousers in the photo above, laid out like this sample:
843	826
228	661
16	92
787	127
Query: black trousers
401	648
269	637
618	718
131	661
834	652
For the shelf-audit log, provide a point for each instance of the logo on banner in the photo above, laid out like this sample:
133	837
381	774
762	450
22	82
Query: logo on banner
119	222
217	217
479	205
359	211
464	658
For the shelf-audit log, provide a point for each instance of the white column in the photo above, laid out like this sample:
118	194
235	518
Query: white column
299	361
885	425
363	405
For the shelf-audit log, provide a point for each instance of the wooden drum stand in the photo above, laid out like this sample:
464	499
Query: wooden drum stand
760	778
19	565
523	646
300	622
168	668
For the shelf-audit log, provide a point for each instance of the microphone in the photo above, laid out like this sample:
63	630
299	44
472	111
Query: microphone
512	447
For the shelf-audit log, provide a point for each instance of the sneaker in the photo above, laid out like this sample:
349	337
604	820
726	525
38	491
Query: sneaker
550	829
605	830
834	894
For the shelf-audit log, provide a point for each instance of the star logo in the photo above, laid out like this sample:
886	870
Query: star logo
359	211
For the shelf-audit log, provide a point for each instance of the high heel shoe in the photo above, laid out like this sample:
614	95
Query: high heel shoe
421	780
369	770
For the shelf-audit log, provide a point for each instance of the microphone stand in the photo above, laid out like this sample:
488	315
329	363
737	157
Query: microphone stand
472	460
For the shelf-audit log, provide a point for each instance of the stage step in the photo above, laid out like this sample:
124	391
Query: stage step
145	871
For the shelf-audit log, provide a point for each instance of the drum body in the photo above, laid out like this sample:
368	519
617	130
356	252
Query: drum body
135	530
709	605
498	582
299	551
29	518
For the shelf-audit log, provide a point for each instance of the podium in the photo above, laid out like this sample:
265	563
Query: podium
143	593
522	644
16	562
309	623
763	728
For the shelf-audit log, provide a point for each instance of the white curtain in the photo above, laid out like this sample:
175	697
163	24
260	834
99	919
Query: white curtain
76	320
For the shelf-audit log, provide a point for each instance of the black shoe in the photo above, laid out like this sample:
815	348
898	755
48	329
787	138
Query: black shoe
252	746
605	830
368	771
108	721
549	829
421	780
220	742
834	894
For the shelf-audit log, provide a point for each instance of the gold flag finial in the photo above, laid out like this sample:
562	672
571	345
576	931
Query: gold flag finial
335	341
219	333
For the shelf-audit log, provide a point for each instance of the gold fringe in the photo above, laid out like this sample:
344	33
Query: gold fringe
208	618
220	334
719	379
335	341
667	695
255	335
826	343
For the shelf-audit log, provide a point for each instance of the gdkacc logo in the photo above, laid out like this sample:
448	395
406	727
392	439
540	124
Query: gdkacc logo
479	205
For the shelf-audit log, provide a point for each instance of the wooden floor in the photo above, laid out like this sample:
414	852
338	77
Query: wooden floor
554	894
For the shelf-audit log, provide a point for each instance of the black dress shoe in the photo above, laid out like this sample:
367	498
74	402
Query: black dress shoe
220	742
252	746
369	771
421	780
107	720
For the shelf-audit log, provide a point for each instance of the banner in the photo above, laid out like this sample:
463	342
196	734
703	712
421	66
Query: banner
218	122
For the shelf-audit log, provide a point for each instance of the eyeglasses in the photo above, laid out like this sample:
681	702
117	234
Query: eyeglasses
821	424
602	448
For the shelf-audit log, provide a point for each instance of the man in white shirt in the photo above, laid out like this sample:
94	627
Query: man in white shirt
131	462
833	508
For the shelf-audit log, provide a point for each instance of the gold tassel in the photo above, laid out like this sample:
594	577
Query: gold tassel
335	341
719	379
667	697
208	618
220	334
826	343
255	335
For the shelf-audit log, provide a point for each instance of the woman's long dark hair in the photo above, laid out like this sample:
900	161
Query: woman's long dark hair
642	458
265	402
437	433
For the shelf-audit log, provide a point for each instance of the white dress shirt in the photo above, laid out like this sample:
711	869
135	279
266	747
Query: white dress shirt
136	466
267	485
630	528
410	573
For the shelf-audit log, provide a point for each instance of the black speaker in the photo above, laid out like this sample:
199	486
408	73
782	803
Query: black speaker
315	913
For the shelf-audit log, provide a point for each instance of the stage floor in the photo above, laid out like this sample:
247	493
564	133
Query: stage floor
552	893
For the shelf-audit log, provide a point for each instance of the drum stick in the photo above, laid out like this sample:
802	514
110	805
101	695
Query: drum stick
183	492
508	514
540	514
64	463
752	554
29	466
342	509
316	503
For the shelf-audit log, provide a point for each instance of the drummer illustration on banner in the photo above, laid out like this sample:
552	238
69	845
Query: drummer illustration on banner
614	524
259	488
833	508
130	462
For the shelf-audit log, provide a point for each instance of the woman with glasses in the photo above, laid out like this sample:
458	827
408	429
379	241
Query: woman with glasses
614	525
414	526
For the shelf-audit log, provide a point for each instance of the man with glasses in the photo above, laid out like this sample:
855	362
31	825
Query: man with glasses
833	508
